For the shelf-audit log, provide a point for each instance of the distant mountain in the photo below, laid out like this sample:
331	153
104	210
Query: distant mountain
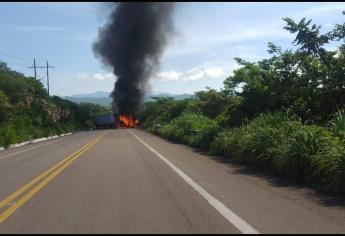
148	97
103	99
98	94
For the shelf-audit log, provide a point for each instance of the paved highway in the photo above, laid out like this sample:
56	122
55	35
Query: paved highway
130	181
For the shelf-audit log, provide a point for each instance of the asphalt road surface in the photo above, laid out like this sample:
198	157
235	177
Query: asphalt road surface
130	181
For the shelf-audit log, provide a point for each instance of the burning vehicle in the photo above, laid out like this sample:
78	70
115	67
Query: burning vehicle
124	121
113	121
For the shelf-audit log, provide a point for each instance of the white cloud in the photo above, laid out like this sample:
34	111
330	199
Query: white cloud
168	76
202	72
96	76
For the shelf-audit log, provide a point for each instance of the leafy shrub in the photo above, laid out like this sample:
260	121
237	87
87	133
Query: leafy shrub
8	136
89	124
337	124
191	128
329	169
228	143
301	145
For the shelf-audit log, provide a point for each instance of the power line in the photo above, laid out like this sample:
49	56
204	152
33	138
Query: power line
7	45
34	66
20	53
60	88
47	67
20	56
68	86
64	83
14	57
20	62
41	78
55	89
15	64
23	56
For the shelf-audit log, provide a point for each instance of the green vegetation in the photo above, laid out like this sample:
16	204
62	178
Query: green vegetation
191	128
284	115
27	112
283	145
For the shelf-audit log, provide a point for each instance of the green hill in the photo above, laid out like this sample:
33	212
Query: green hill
28	112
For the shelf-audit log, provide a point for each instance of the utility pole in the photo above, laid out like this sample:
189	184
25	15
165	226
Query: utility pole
42	67
48	75
34	66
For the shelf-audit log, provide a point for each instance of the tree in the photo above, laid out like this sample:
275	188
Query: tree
308	81
4	105
211	102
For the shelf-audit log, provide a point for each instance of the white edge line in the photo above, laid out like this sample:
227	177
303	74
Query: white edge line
29	149
234	219
15	145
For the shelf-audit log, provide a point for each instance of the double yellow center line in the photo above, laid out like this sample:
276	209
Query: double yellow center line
30	189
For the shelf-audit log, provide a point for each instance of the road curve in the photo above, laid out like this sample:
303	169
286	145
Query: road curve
130	181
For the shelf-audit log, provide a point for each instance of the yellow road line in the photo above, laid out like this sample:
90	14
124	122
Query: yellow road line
46	177
39	178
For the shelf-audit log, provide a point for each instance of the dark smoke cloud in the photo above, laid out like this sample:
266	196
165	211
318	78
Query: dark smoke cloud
132	43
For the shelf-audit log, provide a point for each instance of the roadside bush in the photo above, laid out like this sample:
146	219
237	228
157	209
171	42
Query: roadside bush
337	124
8	136
191	128
89	124
48	132
255	142
285	146
301	145
329	169
228	143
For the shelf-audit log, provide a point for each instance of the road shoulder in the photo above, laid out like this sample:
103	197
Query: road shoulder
267	203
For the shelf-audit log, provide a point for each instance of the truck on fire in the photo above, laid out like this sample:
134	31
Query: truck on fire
105	121
113	120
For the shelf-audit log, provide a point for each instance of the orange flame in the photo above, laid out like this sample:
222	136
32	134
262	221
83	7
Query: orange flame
127	121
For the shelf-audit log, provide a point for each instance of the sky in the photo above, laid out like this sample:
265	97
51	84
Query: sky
200	54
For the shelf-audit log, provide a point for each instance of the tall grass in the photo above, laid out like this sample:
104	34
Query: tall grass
274	142
283	145
337	124
191	128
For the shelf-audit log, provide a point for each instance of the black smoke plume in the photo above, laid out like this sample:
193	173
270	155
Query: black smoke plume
132	43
